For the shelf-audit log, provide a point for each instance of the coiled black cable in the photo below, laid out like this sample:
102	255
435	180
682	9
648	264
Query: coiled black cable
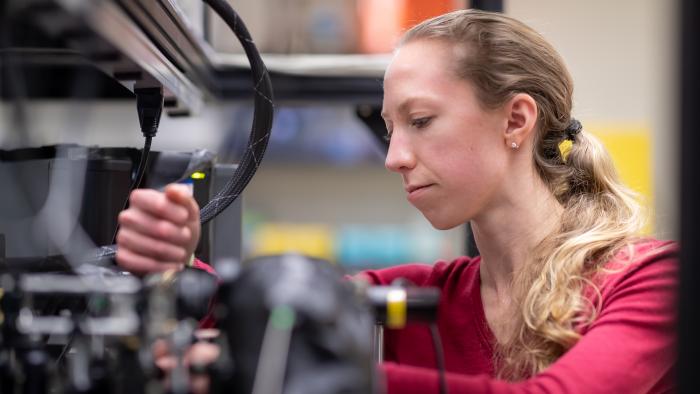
262	116
260	133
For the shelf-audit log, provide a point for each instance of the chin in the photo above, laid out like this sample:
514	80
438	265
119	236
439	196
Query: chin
442	223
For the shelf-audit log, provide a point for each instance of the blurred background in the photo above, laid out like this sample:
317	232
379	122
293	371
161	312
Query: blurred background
323	189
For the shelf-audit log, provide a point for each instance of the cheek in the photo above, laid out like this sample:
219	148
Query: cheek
474	175
468	164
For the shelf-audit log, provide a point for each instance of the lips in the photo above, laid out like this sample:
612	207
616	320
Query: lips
411	188
415	191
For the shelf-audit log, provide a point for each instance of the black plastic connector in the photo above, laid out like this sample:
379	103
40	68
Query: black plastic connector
149	104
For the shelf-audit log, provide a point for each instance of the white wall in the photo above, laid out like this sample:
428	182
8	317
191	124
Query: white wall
622	55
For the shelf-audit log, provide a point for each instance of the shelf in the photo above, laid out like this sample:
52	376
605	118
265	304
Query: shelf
147	34
354	79
148	42
367	66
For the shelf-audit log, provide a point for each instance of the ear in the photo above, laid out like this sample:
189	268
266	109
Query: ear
521	115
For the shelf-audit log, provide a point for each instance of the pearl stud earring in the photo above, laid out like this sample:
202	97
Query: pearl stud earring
514	145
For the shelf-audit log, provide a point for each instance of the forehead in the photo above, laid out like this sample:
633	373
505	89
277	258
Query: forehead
421	68
421	57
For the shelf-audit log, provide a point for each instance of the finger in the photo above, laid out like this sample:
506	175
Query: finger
140	265
199	353
206	334
157	204
166	364
199	384
150	247
151	226
202	353
181	194
160	349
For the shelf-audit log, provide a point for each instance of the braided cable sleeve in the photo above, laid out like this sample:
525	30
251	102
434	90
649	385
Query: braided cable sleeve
262	117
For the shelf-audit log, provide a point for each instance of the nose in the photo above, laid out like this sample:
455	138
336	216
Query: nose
400	156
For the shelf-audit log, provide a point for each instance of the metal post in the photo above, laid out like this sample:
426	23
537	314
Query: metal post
689	85
488	5
470	248
378	343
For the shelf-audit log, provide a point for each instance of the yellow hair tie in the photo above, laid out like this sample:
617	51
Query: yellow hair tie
565	149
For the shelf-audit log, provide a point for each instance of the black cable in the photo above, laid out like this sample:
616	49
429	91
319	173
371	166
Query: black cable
143	163
439	357
149	106
65	348
136	182
262	117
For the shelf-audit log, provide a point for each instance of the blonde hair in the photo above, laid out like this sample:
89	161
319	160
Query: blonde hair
503	57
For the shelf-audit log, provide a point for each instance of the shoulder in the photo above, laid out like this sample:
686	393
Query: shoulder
436	274
649	249
646	254
647	268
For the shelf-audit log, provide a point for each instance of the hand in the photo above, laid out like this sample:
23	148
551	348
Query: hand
159	231
201	354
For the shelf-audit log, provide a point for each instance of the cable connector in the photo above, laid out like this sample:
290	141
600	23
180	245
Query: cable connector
149	104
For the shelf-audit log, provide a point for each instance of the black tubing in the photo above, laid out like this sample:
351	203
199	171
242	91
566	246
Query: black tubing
262	116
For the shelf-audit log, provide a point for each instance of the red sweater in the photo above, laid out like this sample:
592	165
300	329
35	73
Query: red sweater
628	349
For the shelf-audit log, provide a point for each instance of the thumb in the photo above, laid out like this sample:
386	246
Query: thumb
181	194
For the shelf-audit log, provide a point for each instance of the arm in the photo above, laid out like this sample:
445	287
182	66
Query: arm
629	349
416	273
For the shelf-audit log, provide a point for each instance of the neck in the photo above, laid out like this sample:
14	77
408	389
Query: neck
508	233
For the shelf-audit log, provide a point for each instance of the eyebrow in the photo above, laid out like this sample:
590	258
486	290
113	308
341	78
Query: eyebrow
405	104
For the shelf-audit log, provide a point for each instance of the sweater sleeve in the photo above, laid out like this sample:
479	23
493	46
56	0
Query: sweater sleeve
630	348
418	274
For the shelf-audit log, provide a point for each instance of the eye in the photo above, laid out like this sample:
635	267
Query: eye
389	131
421	122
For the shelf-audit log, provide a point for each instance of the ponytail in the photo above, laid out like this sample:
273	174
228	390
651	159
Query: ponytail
600	217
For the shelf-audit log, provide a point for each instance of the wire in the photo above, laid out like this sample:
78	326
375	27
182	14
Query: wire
143	164
262	117
439	357
65	349
136	183
149	107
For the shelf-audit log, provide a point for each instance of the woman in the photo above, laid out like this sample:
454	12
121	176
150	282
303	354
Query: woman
566	296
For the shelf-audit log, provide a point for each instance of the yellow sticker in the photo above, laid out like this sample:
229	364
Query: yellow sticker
396	308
